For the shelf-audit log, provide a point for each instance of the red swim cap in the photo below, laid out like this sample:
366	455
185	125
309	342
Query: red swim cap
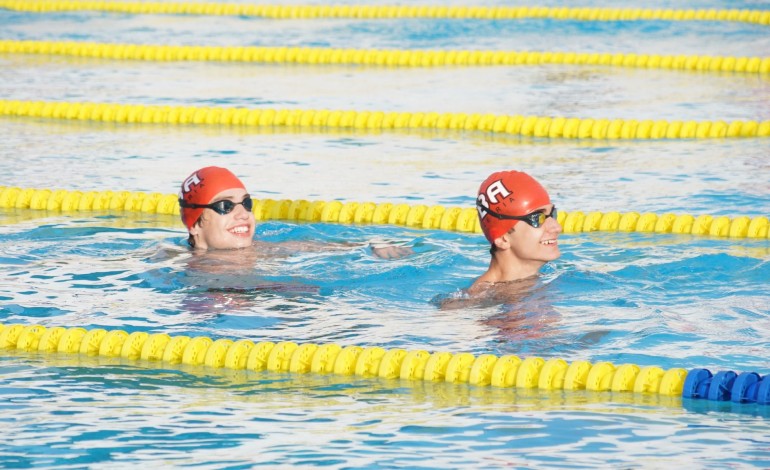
201	187
507	193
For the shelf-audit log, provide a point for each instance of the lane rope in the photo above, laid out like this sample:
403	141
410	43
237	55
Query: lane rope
508	371
528	126
386	58
275	11
436	217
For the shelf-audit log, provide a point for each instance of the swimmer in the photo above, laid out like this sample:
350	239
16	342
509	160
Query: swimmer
216	209
519	221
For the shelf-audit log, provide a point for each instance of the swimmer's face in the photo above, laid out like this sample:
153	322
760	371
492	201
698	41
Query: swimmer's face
225	231
536	245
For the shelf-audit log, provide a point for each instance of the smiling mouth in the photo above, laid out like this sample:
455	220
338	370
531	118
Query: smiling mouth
240	230
548	242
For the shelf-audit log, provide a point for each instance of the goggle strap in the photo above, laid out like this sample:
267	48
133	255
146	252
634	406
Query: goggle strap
541	216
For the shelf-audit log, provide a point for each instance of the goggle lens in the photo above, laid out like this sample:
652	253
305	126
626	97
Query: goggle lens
225	206
536	219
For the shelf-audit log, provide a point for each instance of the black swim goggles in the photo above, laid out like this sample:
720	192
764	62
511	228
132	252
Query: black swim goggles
225	206
535	219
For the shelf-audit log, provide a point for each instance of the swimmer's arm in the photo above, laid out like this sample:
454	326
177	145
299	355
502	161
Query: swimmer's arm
391	251
379	249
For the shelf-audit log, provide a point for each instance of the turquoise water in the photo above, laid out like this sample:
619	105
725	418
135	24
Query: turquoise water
665	300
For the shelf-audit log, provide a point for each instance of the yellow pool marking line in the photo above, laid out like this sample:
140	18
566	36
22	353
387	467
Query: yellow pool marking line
382	57
485	370
437	217
277	11
534	126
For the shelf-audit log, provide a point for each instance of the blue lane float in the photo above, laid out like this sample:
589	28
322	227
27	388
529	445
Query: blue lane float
746	387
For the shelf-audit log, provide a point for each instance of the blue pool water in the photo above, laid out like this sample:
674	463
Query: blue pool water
645	299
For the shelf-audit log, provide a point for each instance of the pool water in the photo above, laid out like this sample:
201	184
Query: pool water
646	299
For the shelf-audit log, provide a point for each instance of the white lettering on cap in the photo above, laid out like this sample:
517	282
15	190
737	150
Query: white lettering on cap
192	180
482	202
494	190
497	189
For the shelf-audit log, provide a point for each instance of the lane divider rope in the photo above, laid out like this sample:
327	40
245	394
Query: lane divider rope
435	217
375	57
392	11
508	371
528	126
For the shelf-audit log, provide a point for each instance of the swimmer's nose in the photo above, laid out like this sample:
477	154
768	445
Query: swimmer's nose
552	225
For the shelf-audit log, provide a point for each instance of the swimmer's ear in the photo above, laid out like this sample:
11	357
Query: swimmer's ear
195	230
503	242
